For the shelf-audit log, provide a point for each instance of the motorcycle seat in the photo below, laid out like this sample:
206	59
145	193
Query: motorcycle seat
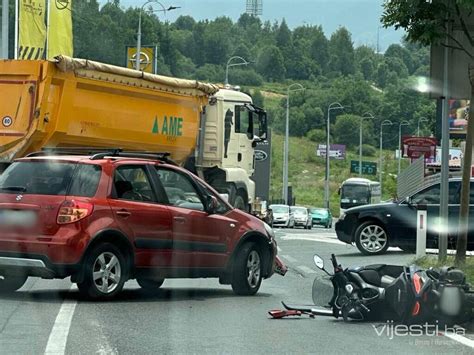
380	275
386	281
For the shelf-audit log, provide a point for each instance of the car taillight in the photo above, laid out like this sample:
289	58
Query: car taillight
417	281
72	211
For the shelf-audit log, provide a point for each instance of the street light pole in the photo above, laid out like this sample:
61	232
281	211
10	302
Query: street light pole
337	106
364	116
421	119
403	123
242	62
139	33
384	123
287	132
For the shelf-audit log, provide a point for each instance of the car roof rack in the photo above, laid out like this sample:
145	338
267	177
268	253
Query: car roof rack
101	153
164	157
71	151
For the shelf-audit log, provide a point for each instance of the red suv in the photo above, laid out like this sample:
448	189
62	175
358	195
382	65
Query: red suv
109	217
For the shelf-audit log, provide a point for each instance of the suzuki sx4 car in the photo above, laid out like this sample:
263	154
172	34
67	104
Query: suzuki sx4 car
105	219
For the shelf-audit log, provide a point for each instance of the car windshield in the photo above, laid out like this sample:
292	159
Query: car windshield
170	168
280	209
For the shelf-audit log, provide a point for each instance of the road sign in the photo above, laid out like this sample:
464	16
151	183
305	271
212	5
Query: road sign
368	167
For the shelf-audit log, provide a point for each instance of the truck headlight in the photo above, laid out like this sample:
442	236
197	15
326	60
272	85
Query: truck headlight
270	231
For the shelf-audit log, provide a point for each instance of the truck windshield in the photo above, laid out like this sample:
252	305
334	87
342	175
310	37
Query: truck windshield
353	195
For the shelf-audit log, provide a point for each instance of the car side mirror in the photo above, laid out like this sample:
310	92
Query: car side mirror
212	204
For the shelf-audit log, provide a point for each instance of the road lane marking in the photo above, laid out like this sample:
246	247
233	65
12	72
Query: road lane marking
460	339
58	338
306	269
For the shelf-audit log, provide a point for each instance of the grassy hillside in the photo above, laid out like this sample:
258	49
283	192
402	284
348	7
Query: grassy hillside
307	172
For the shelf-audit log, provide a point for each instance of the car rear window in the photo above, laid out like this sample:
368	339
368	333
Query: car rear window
50	178
85	181
319	211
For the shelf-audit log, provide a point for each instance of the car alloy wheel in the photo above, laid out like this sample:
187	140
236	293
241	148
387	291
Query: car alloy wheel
106	272
247	270
371	238
253	269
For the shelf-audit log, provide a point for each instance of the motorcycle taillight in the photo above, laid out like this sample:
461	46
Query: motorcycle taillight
417	282
416	309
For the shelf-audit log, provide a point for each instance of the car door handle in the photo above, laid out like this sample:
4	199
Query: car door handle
123	213
180	220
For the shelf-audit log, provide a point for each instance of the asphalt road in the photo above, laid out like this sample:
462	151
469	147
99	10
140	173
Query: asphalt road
201	316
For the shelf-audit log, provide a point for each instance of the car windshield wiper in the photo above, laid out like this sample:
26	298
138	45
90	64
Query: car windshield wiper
13	188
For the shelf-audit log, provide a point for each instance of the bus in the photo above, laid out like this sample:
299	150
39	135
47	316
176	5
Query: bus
357	192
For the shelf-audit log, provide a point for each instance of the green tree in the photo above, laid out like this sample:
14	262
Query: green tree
283	36
317	135
367	68
185	23
397	51
319	48
346	130
258	99
341	52
270	63
382	74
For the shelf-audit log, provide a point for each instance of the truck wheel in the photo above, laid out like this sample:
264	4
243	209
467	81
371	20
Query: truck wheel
150	284
239	203
11	283
247	273
371	238
105	272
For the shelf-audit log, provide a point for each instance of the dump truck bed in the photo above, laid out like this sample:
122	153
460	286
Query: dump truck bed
80	103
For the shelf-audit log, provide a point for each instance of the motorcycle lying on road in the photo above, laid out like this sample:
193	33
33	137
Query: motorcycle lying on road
389	292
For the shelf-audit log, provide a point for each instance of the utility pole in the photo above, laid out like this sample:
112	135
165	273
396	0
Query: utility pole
337	106
298	87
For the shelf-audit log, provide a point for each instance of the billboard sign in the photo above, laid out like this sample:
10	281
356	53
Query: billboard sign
415	147
458	116
336	151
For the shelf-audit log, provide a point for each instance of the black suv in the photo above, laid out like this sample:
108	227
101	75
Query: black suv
373	228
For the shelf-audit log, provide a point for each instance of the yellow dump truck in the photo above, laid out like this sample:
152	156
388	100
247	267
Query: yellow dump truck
80	103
